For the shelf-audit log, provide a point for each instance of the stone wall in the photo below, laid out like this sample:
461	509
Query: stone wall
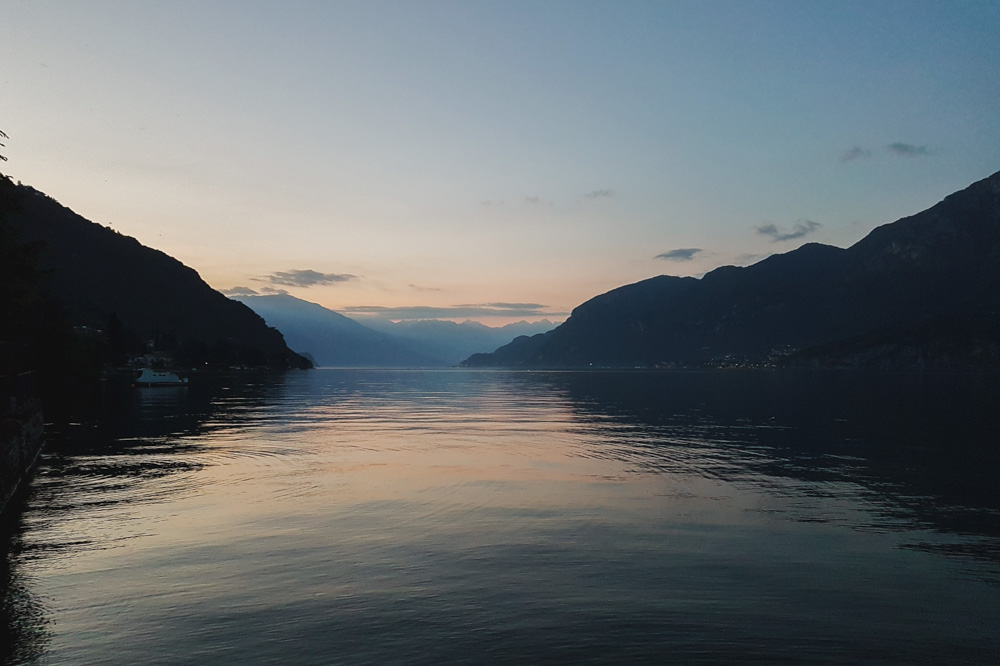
21	432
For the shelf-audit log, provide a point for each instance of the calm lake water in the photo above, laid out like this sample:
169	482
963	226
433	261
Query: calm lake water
372	516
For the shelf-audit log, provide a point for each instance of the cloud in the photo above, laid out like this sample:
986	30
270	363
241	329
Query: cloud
452	311
799	229
907	150
856	153
305	278
680	254
419	288
505	306
247	291
600	194
536	201
489	203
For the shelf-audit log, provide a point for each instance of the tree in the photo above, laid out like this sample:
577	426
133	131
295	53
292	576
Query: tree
3	158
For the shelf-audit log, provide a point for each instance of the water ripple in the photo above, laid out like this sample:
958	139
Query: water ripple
520	517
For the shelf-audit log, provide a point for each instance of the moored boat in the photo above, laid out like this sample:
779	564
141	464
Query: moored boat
150	377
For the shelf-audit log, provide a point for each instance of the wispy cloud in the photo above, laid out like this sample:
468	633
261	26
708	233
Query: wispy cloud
856	153
600	194
799	229
247	291
680	254
907	150
417	287
505	306
472	310
489	203
536	201
305	278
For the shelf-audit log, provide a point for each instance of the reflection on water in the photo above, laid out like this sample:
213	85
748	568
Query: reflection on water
406	516
914	449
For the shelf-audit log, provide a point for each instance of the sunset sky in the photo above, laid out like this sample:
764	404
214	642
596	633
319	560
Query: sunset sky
468	159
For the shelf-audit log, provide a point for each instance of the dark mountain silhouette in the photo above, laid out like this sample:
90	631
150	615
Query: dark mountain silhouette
333	339
967	339
130	296
453	342
932	278
35	334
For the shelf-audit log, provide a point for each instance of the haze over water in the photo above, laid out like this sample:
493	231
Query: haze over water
373	516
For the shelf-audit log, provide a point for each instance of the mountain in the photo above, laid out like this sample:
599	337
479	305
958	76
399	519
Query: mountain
114	289
916	276
454	342
333	339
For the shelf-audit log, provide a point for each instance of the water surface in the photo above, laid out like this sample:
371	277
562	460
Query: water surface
372	516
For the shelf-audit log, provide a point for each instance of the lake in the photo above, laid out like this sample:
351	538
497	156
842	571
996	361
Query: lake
459	516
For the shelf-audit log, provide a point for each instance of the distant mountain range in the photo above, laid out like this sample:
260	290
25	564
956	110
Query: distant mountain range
922	290
333	339
113	288
453	342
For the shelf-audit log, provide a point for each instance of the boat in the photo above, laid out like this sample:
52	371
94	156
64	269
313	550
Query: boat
150	377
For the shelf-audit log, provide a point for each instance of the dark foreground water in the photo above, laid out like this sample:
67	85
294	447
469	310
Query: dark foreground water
346	516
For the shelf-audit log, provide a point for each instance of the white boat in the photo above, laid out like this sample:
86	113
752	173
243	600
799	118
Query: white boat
150	377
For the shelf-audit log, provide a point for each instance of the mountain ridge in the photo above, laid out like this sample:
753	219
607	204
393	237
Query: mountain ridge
134	295
334	339
944	261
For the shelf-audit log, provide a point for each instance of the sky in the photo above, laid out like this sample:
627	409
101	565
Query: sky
494	160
